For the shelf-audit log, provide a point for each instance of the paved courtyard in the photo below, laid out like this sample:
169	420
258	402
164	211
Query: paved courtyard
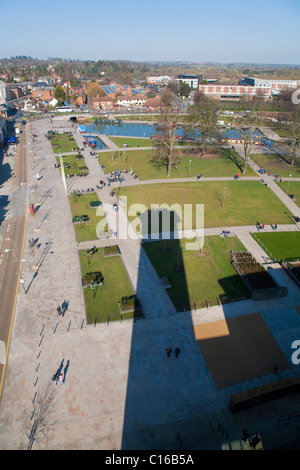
121	391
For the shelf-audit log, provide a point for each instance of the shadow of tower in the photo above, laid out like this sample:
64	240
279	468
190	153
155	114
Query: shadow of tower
156	382
171	401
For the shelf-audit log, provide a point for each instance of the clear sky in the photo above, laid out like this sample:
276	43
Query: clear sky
265	31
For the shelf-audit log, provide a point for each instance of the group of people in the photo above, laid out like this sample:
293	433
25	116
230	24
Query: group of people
60	311
225	233
169	351
261	225
58	378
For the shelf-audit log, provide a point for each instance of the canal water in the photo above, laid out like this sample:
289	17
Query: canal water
148	130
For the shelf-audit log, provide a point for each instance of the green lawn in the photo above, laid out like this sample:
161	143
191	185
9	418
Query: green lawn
281	131
63	143
76	167
102	303
292	187
280	245
80	206
225	163
206	279
274	164
229	203
131	142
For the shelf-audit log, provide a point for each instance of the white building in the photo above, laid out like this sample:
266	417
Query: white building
192	80
162	79
129	101
269	83
2	93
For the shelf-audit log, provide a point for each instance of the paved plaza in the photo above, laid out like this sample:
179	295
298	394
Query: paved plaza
121	391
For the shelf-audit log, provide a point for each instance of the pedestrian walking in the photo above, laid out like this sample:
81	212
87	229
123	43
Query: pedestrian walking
61	378
177	352
169	350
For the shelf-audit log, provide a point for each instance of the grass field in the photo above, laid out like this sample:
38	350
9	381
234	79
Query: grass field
292	187
76	167
274	164
280	245
207	278
80	206
229	203
225	163
63	143
131	142
102	303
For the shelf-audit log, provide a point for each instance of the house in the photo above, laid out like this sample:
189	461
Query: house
53	102
105	103
129	101
80	94
153	104
43	93
28	105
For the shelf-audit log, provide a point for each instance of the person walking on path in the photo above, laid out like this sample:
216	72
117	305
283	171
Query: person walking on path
177	352
169	350
61	378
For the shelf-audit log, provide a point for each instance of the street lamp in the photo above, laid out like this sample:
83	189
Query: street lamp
288	186
7	250
190	167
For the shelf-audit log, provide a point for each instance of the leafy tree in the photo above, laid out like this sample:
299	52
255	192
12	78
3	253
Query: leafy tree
184	89
94	89
59	94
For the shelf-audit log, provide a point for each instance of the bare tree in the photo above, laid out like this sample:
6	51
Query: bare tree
43	417
165	154
203	116
292	142
248	129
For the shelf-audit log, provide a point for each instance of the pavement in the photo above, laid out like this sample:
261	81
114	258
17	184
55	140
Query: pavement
121	391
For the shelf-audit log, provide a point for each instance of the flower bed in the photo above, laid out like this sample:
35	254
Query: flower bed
111	250
92	278
293	270
253	273
129	304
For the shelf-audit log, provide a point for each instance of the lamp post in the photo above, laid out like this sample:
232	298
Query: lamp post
288	186
190	168
7	250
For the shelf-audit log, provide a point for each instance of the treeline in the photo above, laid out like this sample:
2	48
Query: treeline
126	72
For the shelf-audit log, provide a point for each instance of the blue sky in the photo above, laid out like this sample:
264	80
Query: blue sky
166	30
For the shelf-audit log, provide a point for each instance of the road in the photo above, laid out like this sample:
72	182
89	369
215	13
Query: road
12	251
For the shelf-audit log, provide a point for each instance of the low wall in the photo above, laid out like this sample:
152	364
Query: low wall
268	294
256	396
